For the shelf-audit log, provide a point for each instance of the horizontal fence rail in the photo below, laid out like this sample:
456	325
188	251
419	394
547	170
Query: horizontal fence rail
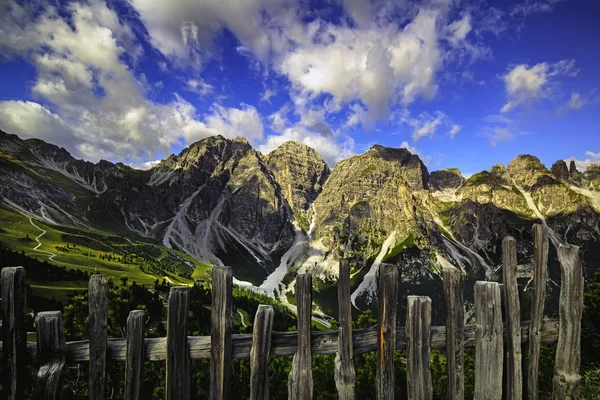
497	337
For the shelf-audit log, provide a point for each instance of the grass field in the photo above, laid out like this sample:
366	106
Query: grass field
46	242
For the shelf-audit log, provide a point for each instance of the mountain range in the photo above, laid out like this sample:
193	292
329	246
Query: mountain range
272	216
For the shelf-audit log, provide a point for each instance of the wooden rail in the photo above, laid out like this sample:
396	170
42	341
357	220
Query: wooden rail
498	344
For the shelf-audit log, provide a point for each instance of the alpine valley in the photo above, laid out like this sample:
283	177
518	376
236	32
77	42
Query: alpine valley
220	202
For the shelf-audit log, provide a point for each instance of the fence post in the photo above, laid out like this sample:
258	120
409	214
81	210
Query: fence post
455	342
418	348
51	348
220	332
488	342
178	360
540	276
345	376
514	377
386	338
260	352
98	317
135	354
14	336
568	350
300	381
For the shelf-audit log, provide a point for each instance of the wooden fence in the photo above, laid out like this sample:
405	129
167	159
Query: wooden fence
497	345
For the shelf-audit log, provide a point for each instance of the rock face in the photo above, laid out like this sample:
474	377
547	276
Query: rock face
449	178
270	216
301	174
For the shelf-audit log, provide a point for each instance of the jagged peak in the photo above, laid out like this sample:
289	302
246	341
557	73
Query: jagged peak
526	161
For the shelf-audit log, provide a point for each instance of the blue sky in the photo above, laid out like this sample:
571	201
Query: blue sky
464	84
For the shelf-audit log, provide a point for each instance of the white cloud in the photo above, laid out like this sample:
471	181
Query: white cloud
429	160
232	122
582	164
454	130
497	134
526	84
199	86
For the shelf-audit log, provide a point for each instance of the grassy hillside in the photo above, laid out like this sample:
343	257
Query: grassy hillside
94	252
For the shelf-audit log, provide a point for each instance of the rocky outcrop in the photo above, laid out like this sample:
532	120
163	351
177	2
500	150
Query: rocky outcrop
449	178
560	171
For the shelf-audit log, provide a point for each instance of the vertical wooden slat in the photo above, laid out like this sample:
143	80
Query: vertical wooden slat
135	354
300	381
418	348
220	332
540	276
178	360
455	343
514	377
488	342
14	336
567	379
51	348
386	338
98	318
260	352
345	376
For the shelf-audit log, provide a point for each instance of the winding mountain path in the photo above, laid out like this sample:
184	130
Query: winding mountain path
39	243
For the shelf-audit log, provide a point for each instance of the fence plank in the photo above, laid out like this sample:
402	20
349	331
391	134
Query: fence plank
488	346
220	332
135	354
386	339
300	381
540	276
178	360
14	335
98	317
51	355
455	320
418	333
260	353
567	379
345	376
514	374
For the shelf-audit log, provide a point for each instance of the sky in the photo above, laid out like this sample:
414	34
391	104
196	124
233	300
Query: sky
462	83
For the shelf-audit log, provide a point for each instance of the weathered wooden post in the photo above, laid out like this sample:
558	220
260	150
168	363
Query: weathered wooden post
540	276
567	379
455	342
260	352
51	348
345	376
98	319
14	336
178	360
300	381
488	342
135	354
514	377
386	338
418	348
220	332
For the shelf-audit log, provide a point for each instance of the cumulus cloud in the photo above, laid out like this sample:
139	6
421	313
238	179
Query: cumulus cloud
232	122
525	84
583	163
199	86
426	124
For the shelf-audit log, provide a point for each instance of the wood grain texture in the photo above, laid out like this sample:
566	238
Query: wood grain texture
418	350
567	380
51	355
489	342
386	339
512	311
540	277
220	332
14	335
260	353
300	381
282	343
97	351
178	360
455	358
135	354
345	375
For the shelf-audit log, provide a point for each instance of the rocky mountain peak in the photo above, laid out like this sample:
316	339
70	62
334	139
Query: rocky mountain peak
449	178
559	170
527	170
